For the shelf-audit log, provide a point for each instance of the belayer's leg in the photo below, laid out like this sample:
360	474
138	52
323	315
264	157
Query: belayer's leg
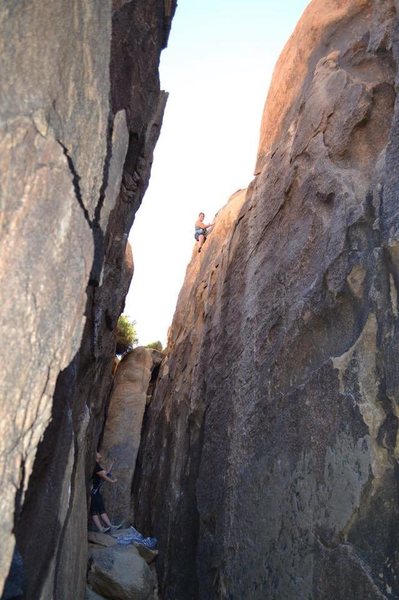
97	522
106	520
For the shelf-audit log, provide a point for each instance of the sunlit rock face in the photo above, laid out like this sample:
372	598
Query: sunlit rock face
270	445
80	113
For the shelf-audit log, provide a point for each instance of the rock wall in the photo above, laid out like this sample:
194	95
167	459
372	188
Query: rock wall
80	114
277	406
122	430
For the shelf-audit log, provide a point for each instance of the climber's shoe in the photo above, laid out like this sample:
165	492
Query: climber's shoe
105	529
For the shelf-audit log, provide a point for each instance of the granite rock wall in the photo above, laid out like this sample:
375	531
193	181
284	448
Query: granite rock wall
277	404
80	114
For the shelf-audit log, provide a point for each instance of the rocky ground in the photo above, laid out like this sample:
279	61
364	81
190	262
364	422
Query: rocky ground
120	572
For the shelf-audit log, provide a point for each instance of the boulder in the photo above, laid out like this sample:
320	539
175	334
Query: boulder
120	573
148	554
121	533
101	539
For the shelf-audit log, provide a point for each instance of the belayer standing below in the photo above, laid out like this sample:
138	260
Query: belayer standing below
201	230
97	508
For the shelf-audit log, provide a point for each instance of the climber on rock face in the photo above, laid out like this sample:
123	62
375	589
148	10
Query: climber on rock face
201	230
97	508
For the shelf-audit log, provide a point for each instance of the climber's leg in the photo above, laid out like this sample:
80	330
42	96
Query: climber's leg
201	240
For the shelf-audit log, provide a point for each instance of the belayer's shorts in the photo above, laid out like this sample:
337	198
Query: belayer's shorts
97	504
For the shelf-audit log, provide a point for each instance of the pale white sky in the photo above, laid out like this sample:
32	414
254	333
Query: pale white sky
217	69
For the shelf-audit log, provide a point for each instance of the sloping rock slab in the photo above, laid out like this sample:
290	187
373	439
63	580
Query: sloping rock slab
120	573
101	539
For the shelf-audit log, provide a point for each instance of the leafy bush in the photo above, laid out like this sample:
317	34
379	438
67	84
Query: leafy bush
155	346
126	334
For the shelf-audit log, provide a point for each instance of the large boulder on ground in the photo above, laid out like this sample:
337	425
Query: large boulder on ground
148	554
119	573
101	539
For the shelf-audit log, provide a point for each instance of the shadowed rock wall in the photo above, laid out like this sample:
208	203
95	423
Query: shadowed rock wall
277	405
80	114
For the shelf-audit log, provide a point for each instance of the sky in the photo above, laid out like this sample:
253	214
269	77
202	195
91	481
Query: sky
217	69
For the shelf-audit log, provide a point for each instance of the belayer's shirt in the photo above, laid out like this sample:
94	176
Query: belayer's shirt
97	481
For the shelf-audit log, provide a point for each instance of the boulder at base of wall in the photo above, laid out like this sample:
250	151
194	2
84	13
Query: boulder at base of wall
120	573
149	554
101	539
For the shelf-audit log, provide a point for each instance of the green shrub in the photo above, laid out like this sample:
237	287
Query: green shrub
126	334
155	346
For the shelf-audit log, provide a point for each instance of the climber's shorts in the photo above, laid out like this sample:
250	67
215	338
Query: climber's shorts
199	232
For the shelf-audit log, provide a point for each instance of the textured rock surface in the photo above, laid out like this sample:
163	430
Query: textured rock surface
148	555
120	573
48	131
101	539
277	406
122	431
80	115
